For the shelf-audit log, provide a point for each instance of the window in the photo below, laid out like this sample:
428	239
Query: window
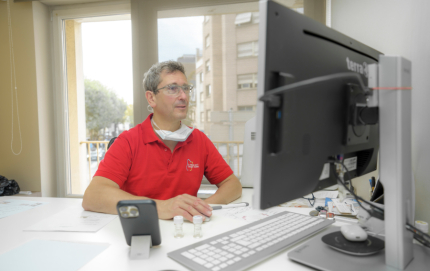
207	41
202	97
246	108
202	116
208	115
201	77
245	81
247	49
208	90
207	18
208	66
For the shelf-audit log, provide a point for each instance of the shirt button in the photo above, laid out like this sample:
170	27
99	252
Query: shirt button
165	149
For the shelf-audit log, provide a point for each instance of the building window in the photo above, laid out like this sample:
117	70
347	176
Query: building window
247	49
246	81
208	90
207	41
202	98
208	115
202	116
208	66
246	108
201	77
207	18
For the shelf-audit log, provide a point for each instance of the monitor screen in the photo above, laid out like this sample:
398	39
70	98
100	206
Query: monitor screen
296	137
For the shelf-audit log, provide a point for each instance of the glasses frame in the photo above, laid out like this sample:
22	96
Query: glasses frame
181	87
309	199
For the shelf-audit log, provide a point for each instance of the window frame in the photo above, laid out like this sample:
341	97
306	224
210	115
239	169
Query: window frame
62	142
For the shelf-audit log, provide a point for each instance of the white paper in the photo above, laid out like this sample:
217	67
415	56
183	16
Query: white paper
344	208
47	255
323	194
247	213
73	219
13	206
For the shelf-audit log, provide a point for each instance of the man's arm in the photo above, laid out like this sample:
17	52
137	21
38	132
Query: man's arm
228	190
102	195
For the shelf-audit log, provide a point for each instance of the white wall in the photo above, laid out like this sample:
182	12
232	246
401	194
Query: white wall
45	102
396	27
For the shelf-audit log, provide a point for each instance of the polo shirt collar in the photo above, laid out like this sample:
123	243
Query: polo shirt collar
148	133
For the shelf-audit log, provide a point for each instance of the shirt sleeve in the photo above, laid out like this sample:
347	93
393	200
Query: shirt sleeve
117	161
216	168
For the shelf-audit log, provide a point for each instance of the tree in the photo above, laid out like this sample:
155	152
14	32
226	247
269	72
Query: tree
102	108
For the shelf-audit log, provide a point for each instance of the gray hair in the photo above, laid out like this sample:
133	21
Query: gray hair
151	79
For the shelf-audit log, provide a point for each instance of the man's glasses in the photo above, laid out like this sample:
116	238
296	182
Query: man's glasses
174	90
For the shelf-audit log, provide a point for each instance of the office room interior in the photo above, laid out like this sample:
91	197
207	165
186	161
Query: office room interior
398	28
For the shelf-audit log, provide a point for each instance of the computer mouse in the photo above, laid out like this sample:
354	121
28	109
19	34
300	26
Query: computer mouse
353	233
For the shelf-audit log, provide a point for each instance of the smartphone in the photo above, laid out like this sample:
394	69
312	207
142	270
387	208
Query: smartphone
139	217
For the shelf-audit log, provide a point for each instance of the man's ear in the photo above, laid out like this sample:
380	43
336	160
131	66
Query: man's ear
150	97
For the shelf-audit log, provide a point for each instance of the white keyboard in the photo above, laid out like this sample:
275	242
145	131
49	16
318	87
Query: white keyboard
243	247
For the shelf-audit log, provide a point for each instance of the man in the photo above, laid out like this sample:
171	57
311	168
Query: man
162	159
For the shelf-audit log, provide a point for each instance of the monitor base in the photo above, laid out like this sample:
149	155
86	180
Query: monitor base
316	254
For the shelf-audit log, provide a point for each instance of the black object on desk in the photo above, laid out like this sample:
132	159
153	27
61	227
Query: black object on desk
139	221
378	193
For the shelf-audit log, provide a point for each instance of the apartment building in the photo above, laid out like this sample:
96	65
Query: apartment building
226	84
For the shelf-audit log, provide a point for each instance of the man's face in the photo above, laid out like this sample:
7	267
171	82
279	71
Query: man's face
171	108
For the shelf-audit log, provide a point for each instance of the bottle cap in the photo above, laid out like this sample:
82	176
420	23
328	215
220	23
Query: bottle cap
197	219
178	219
422	226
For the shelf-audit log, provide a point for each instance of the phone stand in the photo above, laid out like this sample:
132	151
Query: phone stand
140	245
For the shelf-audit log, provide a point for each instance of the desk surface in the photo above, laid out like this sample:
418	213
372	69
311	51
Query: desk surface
116	256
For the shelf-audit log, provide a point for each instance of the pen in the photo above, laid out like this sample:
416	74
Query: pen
234	205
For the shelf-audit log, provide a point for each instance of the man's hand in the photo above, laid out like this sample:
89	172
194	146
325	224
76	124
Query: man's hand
184	205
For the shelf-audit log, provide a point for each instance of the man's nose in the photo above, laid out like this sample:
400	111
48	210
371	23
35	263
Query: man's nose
182	94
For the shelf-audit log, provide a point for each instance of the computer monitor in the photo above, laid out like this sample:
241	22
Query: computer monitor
298	133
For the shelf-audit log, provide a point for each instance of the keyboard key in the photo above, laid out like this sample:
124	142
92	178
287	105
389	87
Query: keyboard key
229	256
199	261
208	265
223	259
237	259
202	247
216	269
216	262
188	255
192	251
231	262
223	265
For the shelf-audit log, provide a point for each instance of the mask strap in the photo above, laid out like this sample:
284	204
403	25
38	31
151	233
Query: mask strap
150	109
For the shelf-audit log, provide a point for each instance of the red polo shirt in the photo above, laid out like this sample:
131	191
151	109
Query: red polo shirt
141	164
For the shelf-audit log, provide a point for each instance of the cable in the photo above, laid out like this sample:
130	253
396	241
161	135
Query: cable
420	236
380	211
13	78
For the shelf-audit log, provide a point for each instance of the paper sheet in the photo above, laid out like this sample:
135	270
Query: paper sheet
46	255
247	213
13	206
73	219
324	194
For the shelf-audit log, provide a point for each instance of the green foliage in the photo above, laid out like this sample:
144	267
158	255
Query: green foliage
102	108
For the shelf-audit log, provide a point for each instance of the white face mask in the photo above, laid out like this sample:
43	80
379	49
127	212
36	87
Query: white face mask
179	135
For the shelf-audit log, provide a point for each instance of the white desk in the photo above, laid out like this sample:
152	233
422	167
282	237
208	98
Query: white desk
116	256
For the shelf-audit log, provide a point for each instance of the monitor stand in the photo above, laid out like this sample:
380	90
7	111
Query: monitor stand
317	254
